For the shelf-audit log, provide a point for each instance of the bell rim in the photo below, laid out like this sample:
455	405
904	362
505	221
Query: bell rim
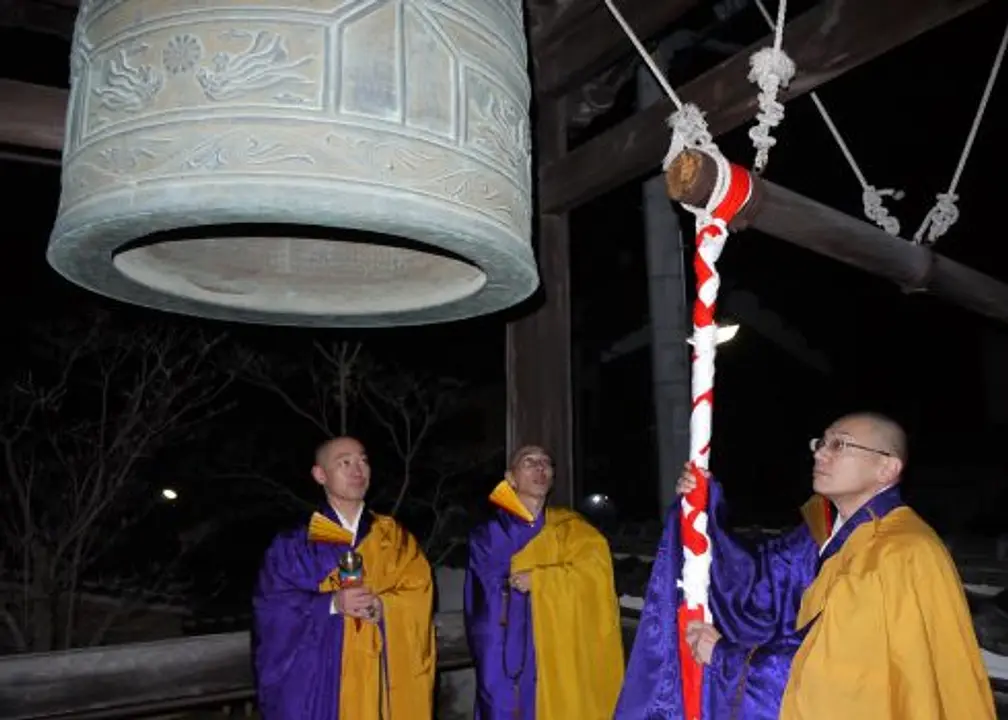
83	246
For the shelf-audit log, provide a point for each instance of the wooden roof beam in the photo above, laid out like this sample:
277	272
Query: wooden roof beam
793	218
48	18
579	44
825	42
32	116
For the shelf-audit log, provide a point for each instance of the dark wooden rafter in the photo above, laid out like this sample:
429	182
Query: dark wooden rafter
830	39
48	17
549	19
32	116
789	216
580	43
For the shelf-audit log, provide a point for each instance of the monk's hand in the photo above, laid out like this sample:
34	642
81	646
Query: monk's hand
374	611
701	639
520	582
355	601
687	482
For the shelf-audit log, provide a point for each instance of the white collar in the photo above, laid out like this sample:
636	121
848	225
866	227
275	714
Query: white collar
350	525
836	528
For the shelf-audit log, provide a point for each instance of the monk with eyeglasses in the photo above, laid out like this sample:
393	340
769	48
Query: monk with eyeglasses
541	612
858	614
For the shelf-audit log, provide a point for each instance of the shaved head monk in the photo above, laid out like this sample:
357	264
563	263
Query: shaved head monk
541	612
343	608
859	613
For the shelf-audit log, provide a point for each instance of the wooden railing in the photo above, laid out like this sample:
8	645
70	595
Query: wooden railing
141	679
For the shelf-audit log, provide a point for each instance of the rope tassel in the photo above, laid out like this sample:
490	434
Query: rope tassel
771	69
944	214
874	209
940	218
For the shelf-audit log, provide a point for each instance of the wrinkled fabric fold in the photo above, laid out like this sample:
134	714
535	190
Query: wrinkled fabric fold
498	620
311	664
755	594
889	631
564	635
575	618
297	644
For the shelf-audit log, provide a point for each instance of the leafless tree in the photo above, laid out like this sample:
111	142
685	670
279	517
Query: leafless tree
99	402
448	498
327	396
407	406
342	377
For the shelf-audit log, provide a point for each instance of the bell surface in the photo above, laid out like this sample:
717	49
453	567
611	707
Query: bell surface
327	163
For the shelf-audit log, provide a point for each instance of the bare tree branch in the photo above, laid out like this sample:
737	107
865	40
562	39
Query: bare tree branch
404	406
259	372
443	505
101	401
407	406
342	360
274	488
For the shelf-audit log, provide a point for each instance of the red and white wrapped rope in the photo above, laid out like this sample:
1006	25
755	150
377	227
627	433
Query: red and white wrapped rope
731	191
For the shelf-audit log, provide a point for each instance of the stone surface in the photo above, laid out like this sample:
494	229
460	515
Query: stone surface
319	163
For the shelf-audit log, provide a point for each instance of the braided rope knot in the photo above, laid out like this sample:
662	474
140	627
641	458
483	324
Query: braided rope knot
771	69
940	218
689	130
872	199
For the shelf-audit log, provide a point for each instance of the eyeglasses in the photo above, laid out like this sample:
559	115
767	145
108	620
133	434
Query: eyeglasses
531	461
836	445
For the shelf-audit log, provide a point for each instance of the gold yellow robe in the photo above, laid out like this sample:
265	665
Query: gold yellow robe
893	639
575	619
400	575
314	665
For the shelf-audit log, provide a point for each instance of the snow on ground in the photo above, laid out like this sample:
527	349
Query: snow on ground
982	590
997	665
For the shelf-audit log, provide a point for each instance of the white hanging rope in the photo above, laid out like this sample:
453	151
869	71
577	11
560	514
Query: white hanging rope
689	128
944	214
771	69
871	197
648	60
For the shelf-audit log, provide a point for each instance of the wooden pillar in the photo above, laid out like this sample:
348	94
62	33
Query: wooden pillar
670	363
538	360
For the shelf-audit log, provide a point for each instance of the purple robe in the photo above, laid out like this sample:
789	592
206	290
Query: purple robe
297	642
498	620
755	595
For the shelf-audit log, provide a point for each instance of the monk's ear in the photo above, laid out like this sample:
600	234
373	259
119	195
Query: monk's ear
318	474
892	468
509	476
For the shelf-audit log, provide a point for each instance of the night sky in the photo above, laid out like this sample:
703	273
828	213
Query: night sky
905	117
